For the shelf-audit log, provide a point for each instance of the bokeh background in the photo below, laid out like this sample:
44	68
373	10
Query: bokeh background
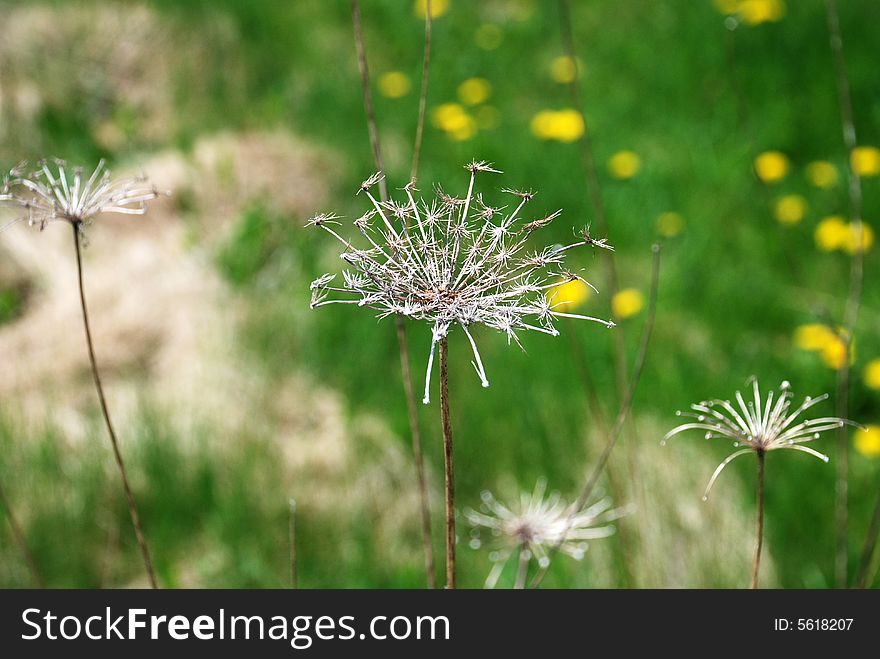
715	129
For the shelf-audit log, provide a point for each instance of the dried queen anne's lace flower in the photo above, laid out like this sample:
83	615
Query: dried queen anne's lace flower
453	261
759	427
46	196
538	525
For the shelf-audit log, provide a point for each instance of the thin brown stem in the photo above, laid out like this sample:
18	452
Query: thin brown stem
594	190
522	569
402	343
132	508
423	96
418	456
759	539
623	413
291	542
18	537
448	464
368	97
853	302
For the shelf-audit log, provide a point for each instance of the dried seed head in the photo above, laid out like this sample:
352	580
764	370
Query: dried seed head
758	427
450	261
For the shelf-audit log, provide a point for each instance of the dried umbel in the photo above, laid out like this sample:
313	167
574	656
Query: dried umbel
451	261
64	195
536	525
759	427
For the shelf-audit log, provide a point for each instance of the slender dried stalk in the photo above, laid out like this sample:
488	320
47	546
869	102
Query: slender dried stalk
625	407
418	456
448	464
853	302
132	508
423	96
402	342
18	536
759	540
291	542
522	570
365	89
594	190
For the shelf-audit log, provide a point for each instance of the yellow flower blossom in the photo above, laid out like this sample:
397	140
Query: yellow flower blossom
813	337
394	84
488	117
832	233
669	224
822	174
755	12
867	442
851	244
627	302
833	353
454	120
438	8
871	374
790	209
569	295
474	91
624	164
488	36
865	160
771	166
561	125
563	69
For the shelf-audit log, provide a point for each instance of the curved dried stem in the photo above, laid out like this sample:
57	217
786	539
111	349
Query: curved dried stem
853	301
759	538
418	456
623	413
448	464
120	464
594	190
423	96
368	97
402	342
18	537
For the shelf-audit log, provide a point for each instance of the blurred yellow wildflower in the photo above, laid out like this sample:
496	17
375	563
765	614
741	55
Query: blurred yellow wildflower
851	244
822	174
669	224
394	84
438	8
474	91
867	442
831	233
813	337
871	374
563	69
488	117
790	209
560	125
830	344
454	120
865	160
771	166
624	164
488	36
834	352
755	12
627	303
569	295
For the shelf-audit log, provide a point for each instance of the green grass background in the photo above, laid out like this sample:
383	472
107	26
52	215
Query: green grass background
666	79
